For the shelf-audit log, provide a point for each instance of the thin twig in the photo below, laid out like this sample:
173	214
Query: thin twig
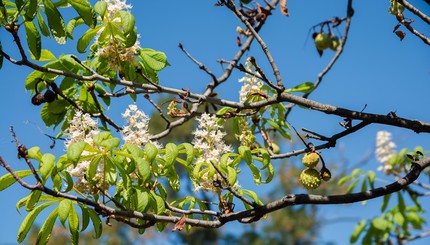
280	87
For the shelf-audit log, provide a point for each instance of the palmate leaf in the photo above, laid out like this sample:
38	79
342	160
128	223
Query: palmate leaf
27	223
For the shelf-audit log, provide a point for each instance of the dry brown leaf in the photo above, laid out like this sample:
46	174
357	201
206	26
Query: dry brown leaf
180	224
284	8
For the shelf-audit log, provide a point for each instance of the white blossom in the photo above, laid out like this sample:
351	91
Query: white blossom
251	84
83	128
209	141
114	51
114	6
136	130
385	149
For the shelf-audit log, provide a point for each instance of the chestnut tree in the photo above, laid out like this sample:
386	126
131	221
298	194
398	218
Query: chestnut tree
122	172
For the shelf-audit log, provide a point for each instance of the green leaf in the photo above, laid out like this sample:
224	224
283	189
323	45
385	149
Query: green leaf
47	165
151	152
171	154
34	153
352	186
92	168
401	204
142	200
416	220
143	168
85	217
256	173
97	222
27	223
100	8
305	87
156	60
371	177
110	144
51	118
33	39
252	195
232	175
64	210
42	25
46	229
159	202
74	151
380	224
32	200
83	7
55	22
189	150
245	153
127	21
344	179
359	228
30	12
8	180
399	218
385	202
45	55
85	40
74	225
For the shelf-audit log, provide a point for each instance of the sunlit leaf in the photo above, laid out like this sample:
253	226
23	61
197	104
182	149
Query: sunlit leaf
359	228
305	87
46	229
74	225
83	7
55	22
64	209
27	223
85	40
33	200
33	39
97	222
8	180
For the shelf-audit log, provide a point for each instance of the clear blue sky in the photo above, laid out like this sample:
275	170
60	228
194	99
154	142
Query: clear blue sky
375	69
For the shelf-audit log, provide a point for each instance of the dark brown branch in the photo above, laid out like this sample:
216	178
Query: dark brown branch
414	10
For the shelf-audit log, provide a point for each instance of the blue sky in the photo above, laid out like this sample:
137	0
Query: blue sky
376	70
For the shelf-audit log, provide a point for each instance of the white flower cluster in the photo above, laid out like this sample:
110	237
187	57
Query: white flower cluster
136	129
251	84
113	51
114	6
83	128
385	149
208	140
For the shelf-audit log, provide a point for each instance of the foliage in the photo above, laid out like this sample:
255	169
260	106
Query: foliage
130	177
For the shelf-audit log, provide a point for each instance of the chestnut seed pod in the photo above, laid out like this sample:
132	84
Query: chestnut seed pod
38	99
49	96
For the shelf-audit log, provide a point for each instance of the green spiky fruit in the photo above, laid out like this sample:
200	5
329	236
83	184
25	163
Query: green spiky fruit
310	178
310	159
322	41
335	42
